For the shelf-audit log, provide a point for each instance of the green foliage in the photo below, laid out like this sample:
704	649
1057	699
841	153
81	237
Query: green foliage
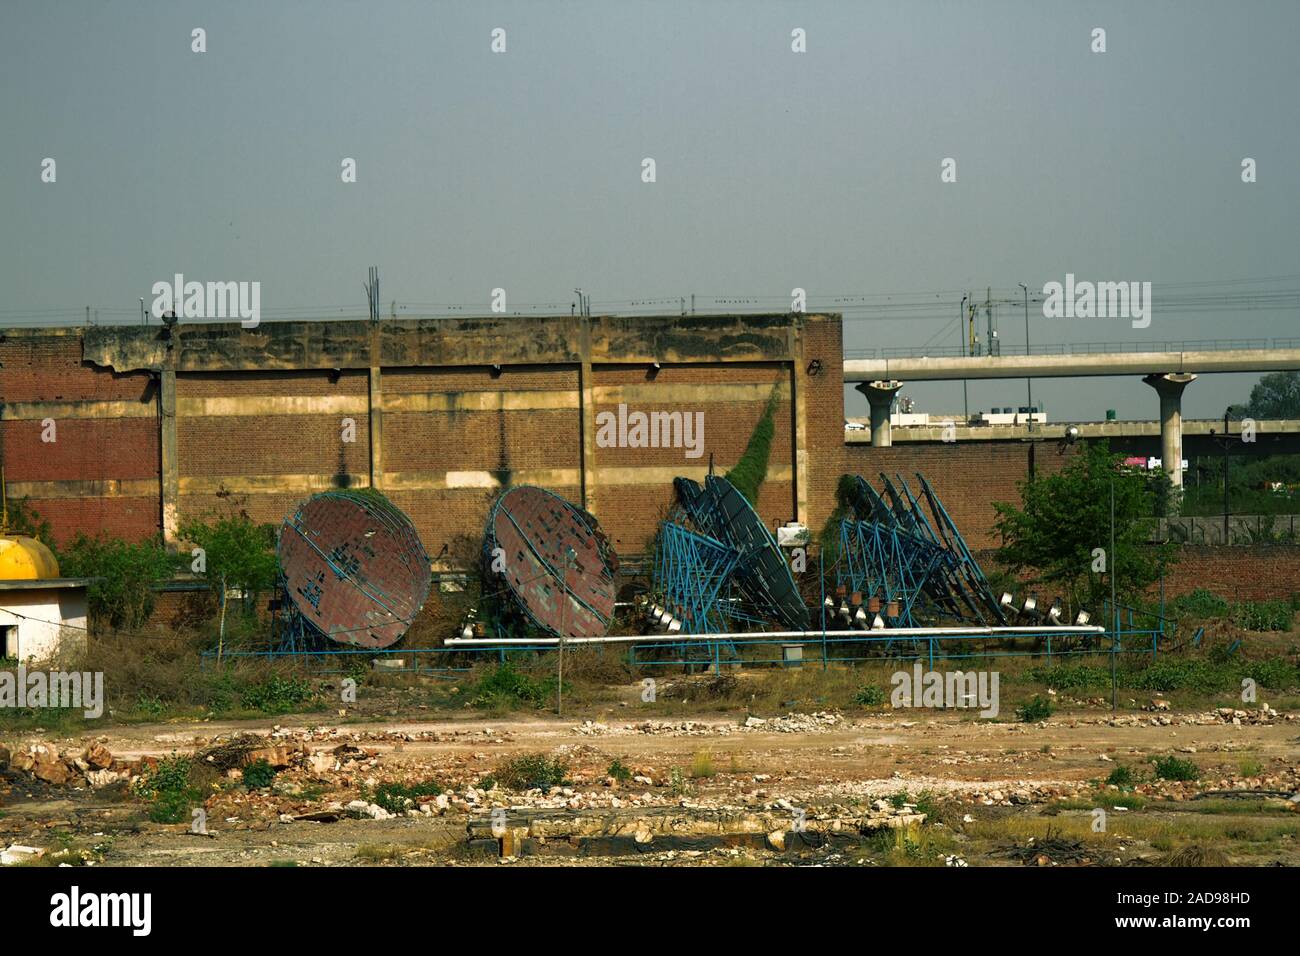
122	594
276	694
170	790
1197	674
236	554
750	471
532	772
1276	395
1175	768
1036	708
1065	516
1263	615
619	771
869	696
1200	604
506	687
1121	776
400	797
259	774
26	520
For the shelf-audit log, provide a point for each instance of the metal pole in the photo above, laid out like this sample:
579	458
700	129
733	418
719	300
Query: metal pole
569	554
961	329
1029	387
1226	506
1114	602
821	573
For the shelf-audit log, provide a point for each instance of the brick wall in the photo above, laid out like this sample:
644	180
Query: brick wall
1258	572
633	486
100	472
968	477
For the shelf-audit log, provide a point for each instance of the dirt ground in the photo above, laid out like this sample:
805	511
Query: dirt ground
934	788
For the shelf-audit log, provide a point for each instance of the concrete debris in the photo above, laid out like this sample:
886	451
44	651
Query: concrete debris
20	854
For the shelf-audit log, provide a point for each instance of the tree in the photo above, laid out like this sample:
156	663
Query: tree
1065	518
235	554
125	576
1276	395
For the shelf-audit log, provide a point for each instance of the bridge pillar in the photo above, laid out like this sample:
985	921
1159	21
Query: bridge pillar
880	395
1170	389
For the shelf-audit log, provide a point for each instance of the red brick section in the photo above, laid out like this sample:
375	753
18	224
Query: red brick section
502	442
631	513
1258	572
47	367
969	477
823	342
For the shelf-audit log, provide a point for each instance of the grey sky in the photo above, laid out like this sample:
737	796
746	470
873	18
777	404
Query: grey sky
774	169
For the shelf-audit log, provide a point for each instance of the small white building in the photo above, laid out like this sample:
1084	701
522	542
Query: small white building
42	619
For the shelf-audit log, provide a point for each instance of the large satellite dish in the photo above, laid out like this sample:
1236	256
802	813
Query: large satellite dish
719	510
354	567
534	531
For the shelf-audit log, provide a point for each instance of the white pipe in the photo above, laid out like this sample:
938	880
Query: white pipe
900	632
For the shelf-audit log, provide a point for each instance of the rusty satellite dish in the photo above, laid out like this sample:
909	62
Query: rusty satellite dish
534	530
354	567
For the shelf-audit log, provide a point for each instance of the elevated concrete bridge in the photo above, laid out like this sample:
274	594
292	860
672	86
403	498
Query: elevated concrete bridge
1168	371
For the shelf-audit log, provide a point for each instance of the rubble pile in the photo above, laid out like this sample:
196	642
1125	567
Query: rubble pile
815	723
94	767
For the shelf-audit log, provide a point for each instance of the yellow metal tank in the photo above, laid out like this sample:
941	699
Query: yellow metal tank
26	559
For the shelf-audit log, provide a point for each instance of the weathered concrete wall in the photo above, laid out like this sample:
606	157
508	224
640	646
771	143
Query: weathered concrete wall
441	415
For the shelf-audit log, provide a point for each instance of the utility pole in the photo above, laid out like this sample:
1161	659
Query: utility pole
1029	382
990	331
961	334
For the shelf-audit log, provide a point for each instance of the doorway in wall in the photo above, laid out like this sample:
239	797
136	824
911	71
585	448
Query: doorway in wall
9	640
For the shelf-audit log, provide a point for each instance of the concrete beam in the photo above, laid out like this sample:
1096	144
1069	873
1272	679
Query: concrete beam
1054	431
880	395
1170	389
1070	366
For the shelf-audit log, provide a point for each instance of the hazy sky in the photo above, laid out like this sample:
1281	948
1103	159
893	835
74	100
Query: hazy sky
522	170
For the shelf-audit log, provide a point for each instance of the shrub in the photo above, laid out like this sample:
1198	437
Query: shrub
619	771
1121	776
1175	768
507	687
1036	708
1263	615
125	575
259	774
1200	604
400	797
276	695
532	772
1070	676
170	789
869	696
702	765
